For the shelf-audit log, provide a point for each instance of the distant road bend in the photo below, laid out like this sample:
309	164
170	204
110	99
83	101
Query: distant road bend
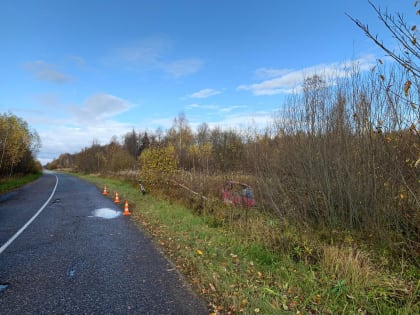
60	254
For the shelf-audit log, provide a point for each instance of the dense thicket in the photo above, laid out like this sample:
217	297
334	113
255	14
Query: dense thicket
18	146
345	156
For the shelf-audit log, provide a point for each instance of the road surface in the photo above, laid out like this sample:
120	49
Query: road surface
76	257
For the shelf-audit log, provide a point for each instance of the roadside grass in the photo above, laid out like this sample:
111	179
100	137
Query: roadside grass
9	183
265	266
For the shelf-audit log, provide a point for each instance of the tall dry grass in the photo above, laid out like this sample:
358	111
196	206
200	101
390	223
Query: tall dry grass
351	265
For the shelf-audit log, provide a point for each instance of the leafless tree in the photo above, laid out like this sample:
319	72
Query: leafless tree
408	55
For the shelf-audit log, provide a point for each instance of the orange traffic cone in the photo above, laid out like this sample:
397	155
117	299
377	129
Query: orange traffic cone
126	211
105	192
117	199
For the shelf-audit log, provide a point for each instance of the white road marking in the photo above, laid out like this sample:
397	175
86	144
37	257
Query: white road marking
23	228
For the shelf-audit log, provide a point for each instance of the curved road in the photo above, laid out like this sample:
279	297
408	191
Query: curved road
69	261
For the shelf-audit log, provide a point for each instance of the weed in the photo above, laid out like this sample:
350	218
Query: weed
340	287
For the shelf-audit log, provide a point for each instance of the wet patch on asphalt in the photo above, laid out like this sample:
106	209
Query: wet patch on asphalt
72	273
106	213
3	286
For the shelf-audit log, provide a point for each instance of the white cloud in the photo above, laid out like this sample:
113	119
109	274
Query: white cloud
199	106
47	72
217	109
100	106
67	138
69	128
268	73
204	93
282	81
163	122
231	108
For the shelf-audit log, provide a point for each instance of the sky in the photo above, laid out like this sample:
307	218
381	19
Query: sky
79	71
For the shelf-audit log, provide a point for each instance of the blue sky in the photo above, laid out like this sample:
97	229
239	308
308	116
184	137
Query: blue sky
83	70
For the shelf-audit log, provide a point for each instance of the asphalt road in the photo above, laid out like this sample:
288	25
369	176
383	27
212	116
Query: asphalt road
69	261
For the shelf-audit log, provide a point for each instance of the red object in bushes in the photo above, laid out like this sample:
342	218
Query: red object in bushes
243	197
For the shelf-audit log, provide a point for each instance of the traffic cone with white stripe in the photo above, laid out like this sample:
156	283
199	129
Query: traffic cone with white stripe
105	192
126	211
117	199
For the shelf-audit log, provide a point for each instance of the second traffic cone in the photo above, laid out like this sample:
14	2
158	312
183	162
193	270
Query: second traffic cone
126	211
105	191
117	199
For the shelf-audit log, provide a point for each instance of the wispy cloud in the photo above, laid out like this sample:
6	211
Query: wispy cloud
268	73
204	93
218	109
154	54
144	53
285	81
231	108
78	61
182	67
47	72
200	106
98	107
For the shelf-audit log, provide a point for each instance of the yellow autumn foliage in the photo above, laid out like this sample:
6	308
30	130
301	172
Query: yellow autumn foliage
158	164
16	141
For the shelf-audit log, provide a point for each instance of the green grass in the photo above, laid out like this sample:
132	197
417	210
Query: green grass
264	266
10	183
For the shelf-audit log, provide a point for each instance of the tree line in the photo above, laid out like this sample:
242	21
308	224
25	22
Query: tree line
209	150
18	146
